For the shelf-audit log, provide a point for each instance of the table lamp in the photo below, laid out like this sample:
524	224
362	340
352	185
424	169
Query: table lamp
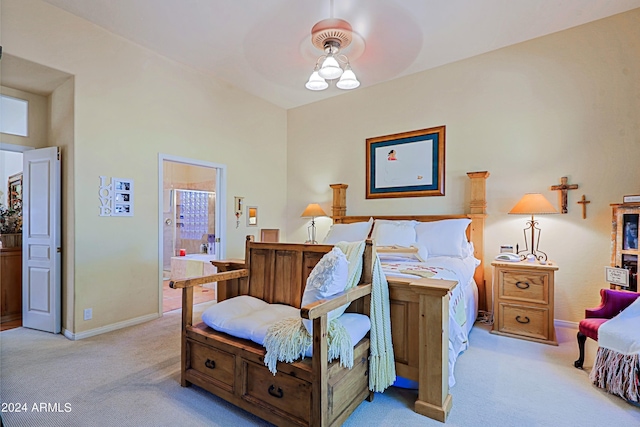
312	211
533	204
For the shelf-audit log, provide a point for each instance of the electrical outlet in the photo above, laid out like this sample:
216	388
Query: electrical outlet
88	313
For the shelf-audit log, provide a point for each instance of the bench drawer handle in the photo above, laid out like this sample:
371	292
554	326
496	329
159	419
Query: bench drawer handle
210	364
526	319
275	393
522	285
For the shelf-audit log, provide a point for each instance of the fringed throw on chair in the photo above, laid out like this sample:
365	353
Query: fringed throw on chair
617	365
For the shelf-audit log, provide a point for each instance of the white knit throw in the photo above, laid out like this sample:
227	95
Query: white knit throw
288	340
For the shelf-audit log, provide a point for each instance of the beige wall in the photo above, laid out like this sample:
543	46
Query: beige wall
567	104
188	177
130	105
61	134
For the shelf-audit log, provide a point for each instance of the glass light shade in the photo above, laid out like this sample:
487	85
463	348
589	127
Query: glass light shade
330	69
348	80
316	82
313	210
533	204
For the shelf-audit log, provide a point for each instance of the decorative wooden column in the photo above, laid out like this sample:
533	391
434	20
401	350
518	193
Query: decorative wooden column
339	207
477	213
434	400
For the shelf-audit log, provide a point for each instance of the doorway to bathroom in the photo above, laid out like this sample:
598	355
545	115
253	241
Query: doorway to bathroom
191	233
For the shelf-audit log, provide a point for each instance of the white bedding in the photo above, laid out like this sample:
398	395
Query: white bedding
463	306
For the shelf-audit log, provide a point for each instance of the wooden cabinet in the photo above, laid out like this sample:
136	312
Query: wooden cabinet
624	240
523	300
10	284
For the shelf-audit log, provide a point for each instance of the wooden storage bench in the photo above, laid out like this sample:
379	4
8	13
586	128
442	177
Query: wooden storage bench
308	392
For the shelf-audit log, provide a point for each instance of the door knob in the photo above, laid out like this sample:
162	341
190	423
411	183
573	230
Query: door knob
168	221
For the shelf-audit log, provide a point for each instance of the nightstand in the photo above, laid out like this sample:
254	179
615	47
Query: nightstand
523	300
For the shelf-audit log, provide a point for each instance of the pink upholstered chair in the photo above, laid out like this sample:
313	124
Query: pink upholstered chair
613	302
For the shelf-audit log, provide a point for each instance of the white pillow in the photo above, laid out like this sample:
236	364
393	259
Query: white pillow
467	248
394	233
444	238
354	232
327	278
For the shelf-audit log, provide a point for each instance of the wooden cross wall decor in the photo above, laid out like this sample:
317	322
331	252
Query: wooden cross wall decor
563	188
584	202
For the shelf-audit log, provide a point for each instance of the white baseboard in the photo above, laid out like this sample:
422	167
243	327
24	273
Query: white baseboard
566	324
113	327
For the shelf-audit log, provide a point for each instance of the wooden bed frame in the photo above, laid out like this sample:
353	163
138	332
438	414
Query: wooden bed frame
422	353
308	392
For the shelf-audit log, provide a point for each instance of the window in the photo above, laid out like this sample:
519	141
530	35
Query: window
14	116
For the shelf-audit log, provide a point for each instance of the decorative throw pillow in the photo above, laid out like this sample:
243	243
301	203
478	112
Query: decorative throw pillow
327	278
445	237
354	232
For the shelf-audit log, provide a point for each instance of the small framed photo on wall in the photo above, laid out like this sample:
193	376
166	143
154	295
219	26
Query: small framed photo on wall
122	197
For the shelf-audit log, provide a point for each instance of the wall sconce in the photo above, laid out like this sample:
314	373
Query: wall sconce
238	203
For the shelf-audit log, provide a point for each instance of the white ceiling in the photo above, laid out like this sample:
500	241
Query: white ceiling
264	47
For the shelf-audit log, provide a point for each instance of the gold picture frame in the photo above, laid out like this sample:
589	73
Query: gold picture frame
408	164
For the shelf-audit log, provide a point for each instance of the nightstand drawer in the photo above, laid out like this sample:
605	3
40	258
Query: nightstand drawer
524	320
524	286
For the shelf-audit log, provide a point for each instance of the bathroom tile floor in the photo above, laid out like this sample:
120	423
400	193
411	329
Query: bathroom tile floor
172	298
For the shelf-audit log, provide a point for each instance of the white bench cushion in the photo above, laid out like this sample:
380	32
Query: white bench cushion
250	318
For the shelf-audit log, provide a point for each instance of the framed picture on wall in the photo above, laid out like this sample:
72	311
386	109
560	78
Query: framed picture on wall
409	164
252	216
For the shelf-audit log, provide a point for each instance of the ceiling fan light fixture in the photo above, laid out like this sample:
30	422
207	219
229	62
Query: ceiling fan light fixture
330	69
316	82
348	80
332	35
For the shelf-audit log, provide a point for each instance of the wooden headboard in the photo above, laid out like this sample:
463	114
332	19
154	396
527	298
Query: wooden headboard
477	212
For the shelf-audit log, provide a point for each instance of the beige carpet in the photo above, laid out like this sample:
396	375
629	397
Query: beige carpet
131	378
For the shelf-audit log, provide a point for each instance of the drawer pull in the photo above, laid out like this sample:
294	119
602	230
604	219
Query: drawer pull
522	285
210	364
526	319
275	393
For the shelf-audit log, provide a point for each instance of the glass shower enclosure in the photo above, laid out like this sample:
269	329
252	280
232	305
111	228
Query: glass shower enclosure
189	224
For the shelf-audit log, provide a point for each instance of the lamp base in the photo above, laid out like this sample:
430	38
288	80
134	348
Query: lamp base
312	233
532	248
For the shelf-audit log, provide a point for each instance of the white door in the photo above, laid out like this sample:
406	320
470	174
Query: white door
41	257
